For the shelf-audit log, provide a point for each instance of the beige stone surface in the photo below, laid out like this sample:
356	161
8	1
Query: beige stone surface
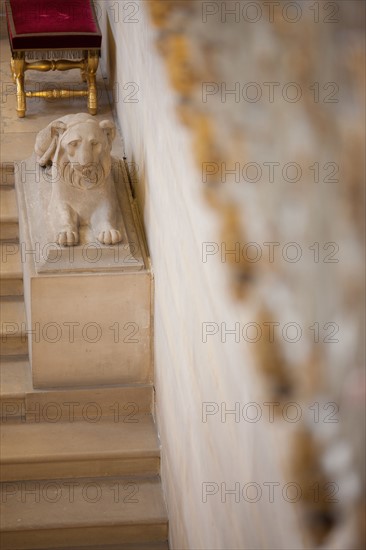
13	328
81	522
11	275
118	402
93	337
92	446
7	174
8	214
138	546
15	379
15	382
18	399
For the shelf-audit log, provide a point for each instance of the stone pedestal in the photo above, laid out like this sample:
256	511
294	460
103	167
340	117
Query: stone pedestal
89	306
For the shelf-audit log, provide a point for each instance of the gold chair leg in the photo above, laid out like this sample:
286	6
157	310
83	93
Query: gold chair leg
12	69
91	69
17	66
84	77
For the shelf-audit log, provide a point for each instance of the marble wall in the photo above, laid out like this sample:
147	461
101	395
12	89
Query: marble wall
243	127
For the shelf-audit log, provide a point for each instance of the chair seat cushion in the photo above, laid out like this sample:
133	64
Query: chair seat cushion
52	24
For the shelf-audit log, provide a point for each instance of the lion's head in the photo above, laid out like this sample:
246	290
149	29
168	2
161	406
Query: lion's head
79	148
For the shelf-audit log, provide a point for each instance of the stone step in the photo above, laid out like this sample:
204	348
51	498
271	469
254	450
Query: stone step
19	400
83	448
88	511
7	174
120	403
11	274
15	382
139	546
13	336
9	229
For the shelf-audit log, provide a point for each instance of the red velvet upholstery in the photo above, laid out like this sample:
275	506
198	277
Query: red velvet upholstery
52	24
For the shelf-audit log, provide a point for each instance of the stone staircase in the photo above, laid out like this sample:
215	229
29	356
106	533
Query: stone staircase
80	465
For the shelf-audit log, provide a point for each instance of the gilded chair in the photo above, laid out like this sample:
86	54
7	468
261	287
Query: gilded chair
50	35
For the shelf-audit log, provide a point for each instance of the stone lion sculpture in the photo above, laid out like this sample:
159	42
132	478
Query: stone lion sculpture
83	190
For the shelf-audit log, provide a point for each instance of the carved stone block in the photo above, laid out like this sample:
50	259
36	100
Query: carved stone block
88	305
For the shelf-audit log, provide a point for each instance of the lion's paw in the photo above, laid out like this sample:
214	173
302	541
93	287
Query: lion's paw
111	236
67	238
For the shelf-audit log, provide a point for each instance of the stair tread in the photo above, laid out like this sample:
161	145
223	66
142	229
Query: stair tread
125	401
79	440
15	379
7	173
61	506
164	545
12	311
8	205
10	264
